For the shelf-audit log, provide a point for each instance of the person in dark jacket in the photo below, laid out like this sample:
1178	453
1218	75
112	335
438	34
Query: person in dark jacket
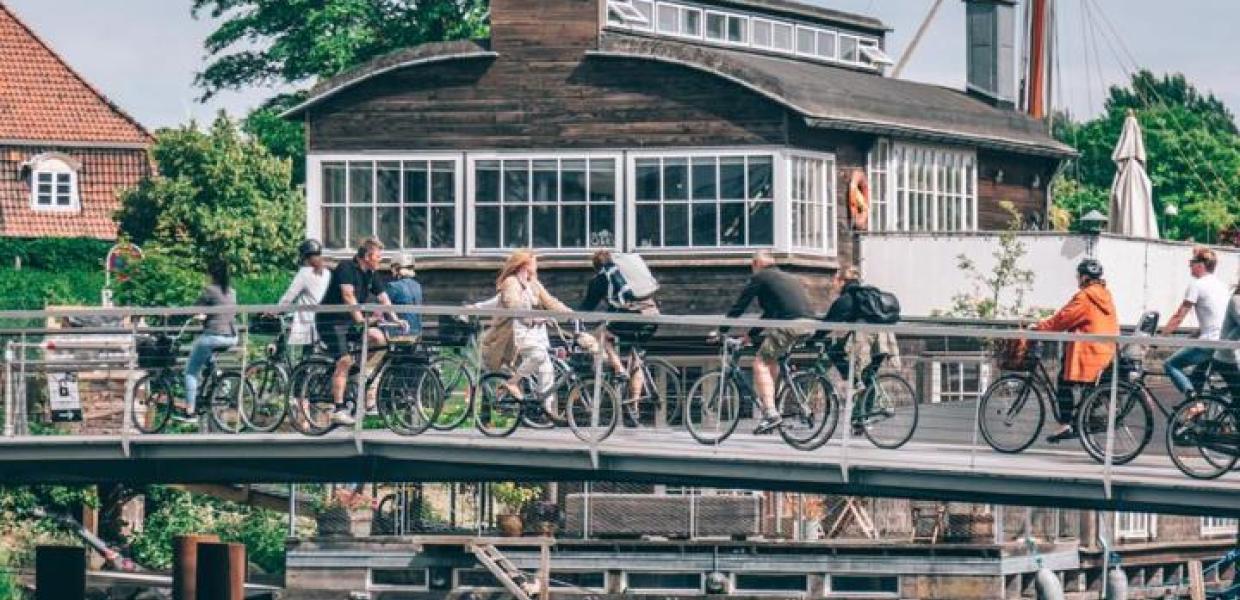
843	310
781	296
609	287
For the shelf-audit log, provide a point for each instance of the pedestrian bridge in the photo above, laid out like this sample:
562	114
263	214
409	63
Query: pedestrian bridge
945	460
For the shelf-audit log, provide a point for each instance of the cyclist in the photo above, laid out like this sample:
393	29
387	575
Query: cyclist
846	309
523	342
781	296
1207	296
307	289
351	283
609	285
1091	310
1227	362
218	330
405	290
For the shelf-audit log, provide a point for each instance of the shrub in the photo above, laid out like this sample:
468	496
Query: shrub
58	254
160	279
33	290
174	512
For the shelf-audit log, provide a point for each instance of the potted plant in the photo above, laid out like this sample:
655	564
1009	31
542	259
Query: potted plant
513	497
344	512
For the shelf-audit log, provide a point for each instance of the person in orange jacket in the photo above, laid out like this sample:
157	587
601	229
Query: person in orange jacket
1091	310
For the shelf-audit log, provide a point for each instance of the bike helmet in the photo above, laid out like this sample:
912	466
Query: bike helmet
1090	268
310	248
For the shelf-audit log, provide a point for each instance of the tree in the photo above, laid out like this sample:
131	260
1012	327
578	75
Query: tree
999	293
217	194
282	137
1193	153
263	42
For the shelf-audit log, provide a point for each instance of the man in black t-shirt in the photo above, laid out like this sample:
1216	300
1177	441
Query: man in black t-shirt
352	283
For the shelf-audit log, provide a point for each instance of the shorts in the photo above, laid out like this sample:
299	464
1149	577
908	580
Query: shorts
777	343
336	337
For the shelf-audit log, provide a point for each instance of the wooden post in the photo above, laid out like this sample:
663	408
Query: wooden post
1196	581
60	573
185	565
221	571
544	570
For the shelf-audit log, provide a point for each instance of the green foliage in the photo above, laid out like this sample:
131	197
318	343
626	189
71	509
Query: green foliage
31	289
515	495
282	137
174	512
160	279
1193	156
999	293
160	282
261	42
75	254
218	194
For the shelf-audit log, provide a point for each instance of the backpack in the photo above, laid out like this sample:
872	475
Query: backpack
876	306
641	284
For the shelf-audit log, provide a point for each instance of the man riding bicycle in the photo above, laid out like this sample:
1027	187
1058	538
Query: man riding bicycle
610	285
781	296
352	281
1091	310
1207	296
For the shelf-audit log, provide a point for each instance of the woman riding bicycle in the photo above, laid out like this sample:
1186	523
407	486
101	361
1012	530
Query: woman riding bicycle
523	342
218	331
1091	310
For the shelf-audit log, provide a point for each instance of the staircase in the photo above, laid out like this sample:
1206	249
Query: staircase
517	582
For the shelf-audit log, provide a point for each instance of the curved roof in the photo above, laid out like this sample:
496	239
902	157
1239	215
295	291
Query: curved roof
409	57
838	98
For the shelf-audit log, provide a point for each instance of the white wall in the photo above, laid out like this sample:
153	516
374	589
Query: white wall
921	269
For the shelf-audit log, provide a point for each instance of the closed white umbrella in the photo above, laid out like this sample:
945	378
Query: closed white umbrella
1132	194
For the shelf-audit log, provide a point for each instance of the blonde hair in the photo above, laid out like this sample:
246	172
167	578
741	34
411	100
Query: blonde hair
1206	257
516	261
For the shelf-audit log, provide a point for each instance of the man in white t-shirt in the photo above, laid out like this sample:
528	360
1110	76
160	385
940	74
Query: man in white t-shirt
1207	296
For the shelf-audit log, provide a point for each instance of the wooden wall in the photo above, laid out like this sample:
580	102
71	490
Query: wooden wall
1024	183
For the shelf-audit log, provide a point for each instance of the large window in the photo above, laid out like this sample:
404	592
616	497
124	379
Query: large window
957	381
811	195
923	188
550	203
1136	526
704	201
407	204
53	183
1218	526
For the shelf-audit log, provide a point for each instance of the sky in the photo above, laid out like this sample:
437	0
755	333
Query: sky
144	53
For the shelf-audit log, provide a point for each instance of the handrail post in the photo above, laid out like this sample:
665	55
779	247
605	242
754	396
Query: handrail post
977	423
1107	464
244	342
598	399
8	388
848	403
20	421
359	406
131	381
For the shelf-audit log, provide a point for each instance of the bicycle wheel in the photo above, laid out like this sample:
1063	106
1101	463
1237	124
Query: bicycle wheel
227	398
409	398
659	402
581	405
151	404
458	392
713	408
498	413
310	397
270	385
1202	437
1134	423
890	415
810	411
1012	410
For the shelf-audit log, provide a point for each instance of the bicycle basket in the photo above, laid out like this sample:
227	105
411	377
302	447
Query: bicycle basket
156	351
454	332
1015	355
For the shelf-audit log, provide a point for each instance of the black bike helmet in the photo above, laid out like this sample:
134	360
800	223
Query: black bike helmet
1090	268
310	248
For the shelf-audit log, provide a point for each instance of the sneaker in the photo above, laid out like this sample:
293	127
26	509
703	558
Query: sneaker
1067	434
769	423
342	417
858	429
1185	435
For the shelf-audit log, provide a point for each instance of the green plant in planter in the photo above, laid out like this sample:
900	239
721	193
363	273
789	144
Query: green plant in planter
515	496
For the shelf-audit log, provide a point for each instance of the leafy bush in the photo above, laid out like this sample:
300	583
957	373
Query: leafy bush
264	288
73	254
163	281
174	512
160	279
33	290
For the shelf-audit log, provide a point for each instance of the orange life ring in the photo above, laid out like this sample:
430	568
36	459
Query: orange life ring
859	200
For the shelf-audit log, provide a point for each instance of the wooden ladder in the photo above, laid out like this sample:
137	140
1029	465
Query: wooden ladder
517	582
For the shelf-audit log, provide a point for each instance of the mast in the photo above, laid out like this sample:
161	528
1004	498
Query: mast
1036	88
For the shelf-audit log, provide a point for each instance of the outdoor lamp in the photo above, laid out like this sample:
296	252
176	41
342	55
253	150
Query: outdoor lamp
1170	210
1093	222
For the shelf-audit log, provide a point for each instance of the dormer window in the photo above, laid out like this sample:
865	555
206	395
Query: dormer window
54	183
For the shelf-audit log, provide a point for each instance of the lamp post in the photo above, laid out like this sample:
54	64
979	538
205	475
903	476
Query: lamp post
1092	224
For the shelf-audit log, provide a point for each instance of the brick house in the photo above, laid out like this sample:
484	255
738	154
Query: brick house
66	151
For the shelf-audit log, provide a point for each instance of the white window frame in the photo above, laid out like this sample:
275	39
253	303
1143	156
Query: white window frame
920	193
667	591
1218	526
54	167
388	587
315	204
778	189
937	393
1136	526
620	204
828	220
739	591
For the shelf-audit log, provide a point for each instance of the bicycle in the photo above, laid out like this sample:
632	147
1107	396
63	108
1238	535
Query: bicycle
498	414
153	401
1203	435
269	377
804	400
885	406
458	368
658	401
408	393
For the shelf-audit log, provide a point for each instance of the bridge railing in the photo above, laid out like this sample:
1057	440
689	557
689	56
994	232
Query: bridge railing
942	396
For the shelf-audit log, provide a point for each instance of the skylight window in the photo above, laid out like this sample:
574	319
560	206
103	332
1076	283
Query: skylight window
629	12
875	55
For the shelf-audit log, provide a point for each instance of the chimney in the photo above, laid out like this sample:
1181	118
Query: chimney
544	26
991	45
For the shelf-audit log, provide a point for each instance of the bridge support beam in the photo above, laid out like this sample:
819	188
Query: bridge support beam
221	571
60	573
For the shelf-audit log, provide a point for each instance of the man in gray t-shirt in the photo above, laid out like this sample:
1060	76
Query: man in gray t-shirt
1207	297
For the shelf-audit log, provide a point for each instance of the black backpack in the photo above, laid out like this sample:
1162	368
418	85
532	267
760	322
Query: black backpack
873	305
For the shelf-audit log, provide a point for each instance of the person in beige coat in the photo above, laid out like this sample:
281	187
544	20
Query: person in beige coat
522	342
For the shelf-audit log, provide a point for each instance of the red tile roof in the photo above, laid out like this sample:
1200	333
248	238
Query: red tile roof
105	173
43	99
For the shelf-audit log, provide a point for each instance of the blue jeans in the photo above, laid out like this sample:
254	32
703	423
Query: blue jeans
198	355
1182	359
